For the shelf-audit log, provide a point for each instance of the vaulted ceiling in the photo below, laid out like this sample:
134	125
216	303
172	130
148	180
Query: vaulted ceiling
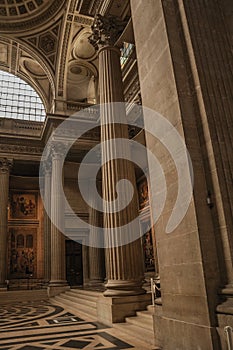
45	42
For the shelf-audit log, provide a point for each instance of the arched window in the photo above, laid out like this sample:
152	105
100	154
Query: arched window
18	100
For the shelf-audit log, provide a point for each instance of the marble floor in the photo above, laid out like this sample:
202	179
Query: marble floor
42	325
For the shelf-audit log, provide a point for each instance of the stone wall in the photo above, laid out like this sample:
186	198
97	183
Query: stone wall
177	76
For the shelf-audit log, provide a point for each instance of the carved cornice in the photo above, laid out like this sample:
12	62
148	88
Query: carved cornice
106	30
20	149
5	165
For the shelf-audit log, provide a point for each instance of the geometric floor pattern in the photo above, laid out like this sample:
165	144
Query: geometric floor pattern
41	325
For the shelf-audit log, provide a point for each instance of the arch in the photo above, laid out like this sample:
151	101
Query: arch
45	87
19	100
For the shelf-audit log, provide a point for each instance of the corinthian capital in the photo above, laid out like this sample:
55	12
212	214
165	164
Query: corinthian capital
5	165
106	30
59	149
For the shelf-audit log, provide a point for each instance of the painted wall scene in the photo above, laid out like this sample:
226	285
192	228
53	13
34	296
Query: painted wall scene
22	252
23	206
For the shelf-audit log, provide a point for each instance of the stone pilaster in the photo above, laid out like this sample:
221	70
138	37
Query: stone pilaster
57	218
214	68
5	165
47	223
123	262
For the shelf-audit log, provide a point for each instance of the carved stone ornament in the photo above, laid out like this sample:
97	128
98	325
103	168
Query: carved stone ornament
106	30
47	166
58	149
5	165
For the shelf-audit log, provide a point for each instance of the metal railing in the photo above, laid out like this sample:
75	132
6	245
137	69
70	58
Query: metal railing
228	332
155	289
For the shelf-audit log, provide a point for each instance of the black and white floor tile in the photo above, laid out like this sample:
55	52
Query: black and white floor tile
42	325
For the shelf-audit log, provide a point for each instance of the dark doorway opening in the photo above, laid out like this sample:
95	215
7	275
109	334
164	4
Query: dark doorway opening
74	266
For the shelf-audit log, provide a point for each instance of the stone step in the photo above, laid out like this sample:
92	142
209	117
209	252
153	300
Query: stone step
73	309
83	308
85	292
9	297
136	332
141	321
146	314
79	301
82	296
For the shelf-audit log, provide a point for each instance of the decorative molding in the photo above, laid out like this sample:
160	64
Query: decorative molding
21	124
72	7
63	59
70	17
46	42
14	149
84	20
14	56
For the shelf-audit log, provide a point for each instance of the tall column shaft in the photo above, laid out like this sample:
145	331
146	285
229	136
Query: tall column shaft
57	221
47	223
124	262
4	187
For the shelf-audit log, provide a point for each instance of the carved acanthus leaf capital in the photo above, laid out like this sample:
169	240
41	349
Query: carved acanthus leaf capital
106	30
46	166
5	165
59	149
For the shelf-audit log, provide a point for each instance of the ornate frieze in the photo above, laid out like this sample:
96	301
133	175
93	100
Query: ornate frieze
106	30
16	149
83	20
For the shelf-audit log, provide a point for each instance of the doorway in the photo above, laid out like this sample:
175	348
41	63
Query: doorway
74	266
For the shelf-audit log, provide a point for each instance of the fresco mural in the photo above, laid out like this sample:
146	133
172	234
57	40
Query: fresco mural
23	206
22	259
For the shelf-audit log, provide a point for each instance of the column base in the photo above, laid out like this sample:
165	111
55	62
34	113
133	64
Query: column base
96	283
57	287
57	283
114	310
116	288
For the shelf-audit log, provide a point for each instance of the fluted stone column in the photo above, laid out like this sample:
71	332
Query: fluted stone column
57	219
5	165
124	263
96	253
47	223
